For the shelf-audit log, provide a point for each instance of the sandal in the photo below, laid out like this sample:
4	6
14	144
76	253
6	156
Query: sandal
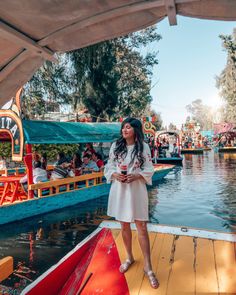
125	265
152	279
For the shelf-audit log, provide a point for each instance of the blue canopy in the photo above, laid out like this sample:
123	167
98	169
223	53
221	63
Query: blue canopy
207	133
47	132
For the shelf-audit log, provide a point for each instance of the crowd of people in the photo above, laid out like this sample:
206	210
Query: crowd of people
161	148
65	166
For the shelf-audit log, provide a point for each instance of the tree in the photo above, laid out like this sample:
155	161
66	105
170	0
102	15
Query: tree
48	84
111	79
202	114
149	112
226	82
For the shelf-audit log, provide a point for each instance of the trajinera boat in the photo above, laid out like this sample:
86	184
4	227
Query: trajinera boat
173	158
204	259
54	194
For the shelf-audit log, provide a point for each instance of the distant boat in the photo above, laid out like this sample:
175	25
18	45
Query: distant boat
231	149
177	159
192	151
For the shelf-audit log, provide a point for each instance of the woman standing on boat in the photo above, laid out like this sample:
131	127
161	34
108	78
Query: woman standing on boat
129	168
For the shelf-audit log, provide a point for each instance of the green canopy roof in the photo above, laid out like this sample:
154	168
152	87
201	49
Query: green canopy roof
47	132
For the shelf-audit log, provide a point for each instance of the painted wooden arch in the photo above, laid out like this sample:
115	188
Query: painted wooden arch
11	130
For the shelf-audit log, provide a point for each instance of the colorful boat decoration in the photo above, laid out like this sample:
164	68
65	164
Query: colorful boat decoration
179	255
172	159
54	194
191	138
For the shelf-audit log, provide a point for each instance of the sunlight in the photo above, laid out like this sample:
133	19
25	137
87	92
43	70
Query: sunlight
214	101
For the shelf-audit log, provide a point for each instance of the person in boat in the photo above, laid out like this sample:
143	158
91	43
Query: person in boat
44	161
89	165
129	169
89	149
175	152
97	158
39	175
161	151
77	164
61	159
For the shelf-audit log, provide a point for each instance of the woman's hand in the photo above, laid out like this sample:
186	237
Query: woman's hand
132	177
120	177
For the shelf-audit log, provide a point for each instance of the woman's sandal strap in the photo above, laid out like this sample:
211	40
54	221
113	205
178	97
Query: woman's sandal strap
152	279
125	265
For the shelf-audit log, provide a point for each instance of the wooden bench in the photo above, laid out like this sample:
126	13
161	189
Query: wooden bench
68	184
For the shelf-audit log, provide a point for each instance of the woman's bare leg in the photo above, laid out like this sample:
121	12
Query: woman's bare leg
145	247
144	243
127	239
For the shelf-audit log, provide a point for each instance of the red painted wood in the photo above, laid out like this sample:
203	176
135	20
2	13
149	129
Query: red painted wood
95	266
29	168
77	262
104	266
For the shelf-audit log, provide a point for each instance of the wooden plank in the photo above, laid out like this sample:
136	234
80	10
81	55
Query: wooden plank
155	257
135	275
206	276
182	275
6	267
26	42
225	266
115	233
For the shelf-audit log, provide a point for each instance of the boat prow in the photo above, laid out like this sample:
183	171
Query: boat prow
205	259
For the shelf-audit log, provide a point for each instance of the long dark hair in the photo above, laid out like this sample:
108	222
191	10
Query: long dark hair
121	145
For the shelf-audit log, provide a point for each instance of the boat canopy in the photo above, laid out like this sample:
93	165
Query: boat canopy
170	132
47	132
32	31
207	133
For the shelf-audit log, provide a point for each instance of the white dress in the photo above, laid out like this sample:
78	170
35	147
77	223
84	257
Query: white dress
129	201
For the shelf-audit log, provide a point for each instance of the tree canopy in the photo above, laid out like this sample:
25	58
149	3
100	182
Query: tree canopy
226	82
111	79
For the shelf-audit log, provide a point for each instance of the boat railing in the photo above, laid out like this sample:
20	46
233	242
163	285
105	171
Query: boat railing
53	187
13	171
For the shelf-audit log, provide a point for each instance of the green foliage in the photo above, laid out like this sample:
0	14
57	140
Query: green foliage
52	150
226	82
201	114
111	79
5	150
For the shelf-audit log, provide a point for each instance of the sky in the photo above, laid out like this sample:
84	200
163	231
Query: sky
190	57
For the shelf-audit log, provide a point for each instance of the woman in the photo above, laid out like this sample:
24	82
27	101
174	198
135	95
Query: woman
77	164
128	198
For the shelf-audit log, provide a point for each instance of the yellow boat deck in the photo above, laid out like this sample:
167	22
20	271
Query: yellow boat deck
183	265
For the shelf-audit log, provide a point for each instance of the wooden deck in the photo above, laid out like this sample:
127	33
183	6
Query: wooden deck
183	265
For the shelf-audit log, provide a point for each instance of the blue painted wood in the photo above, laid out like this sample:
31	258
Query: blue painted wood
170	160
25	209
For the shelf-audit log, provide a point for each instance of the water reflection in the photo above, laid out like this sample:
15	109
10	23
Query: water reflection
200	194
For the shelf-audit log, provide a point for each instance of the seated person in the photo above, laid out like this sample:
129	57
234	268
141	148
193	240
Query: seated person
97	158
44	161
61	158
39	175
175	152
89	165
62	171
89	149
76	164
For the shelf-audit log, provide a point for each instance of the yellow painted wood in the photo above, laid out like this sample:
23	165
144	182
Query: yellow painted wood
54	183
207	268
155	258
206	278
6	267
115	233
226	266
182	274
164	266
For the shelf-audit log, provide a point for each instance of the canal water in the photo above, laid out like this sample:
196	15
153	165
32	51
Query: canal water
201	193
